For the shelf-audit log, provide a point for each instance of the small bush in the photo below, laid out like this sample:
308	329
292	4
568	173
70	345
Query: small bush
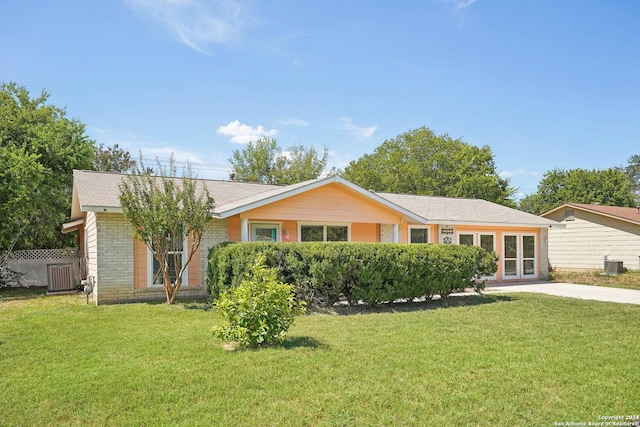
258	311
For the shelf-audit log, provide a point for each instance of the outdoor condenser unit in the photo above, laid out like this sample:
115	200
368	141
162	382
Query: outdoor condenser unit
613	267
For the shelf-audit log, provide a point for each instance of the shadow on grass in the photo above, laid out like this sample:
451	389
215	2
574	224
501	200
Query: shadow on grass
289	343
12	294
298	342
410	306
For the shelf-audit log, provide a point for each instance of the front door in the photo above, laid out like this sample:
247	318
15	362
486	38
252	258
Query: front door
519	256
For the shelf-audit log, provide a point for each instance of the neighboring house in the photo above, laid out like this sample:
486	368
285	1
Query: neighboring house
329	209
593	233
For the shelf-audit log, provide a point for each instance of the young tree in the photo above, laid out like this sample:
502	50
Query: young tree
39	148
165	212
421	162
610	187
265	162
113	159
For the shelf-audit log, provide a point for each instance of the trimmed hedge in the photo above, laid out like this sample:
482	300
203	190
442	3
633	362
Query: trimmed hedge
322	273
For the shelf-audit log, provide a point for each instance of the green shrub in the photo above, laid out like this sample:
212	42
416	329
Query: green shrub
258	311
322	273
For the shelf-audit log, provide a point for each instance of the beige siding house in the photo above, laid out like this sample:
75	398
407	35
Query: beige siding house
328	209
593	233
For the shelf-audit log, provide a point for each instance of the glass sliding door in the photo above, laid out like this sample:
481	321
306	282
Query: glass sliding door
519	256
529	256
510	257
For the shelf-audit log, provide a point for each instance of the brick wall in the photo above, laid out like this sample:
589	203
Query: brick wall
115	265
386	233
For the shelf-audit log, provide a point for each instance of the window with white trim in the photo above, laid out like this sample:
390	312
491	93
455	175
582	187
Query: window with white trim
265	232
324	232
176	260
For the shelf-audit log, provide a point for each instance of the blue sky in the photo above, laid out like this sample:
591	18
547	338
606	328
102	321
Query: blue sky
545	83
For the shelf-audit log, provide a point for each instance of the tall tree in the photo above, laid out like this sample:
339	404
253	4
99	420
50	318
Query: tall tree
165	213
421	162
633	172
39	148
265	162
610	187
113	159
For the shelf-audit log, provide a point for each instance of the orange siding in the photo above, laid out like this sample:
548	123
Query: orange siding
289	231
140	277
330	203
365	232
234	228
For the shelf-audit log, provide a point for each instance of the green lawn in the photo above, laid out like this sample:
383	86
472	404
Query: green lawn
496	360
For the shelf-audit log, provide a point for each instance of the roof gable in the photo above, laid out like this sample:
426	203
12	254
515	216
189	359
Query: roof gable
630	215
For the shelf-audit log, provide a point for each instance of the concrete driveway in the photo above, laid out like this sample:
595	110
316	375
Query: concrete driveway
598	293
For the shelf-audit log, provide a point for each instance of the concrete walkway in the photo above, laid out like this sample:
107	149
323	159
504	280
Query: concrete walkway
598	293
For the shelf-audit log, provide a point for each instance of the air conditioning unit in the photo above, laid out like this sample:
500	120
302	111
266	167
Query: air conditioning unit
613	267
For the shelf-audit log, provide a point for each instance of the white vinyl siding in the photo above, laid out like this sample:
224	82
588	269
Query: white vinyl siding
586	240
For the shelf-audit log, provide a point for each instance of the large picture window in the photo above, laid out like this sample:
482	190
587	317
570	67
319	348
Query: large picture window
324	233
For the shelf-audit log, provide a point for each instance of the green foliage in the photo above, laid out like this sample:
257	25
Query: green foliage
163	212
633	172
39	148
113	159
266	163
609	187
322	273
421	162
258	311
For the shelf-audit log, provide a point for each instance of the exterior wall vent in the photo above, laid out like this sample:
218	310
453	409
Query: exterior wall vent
569	215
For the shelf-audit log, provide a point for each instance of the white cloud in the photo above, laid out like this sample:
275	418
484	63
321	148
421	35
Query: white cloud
292	121
196	23
518	172
243	134
461	5
357	131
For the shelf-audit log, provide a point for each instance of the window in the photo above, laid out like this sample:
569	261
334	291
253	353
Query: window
176	260
485	240
265	232
324	233
466	239
418	235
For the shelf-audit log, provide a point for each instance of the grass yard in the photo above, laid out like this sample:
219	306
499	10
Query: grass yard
628	280
521	359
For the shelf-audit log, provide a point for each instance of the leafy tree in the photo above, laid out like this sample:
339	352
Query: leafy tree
265	162
39	148
610	187
165	212
421	162
633	172
113	159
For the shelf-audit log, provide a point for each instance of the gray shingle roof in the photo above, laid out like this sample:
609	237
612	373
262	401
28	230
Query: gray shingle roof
99	190
445	210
